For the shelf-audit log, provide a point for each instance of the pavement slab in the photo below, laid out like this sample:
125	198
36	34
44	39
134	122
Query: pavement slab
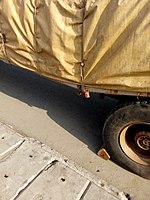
32	170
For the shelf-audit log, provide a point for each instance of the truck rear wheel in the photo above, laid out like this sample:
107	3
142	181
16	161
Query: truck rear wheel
126	136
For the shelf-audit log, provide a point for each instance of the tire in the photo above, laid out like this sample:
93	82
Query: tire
126	136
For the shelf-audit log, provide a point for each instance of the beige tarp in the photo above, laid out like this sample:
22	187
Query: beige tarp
98	43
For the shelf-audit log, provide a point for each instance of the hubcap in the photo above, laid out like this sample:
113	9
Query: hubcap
135	142
143	140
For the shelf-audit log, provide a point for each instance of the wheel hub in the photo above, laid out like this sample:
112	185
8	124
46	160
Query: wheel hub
135	142
143	140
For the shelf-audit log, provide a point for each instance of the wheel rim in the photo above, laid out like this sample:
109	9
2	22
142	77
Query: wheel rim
135	142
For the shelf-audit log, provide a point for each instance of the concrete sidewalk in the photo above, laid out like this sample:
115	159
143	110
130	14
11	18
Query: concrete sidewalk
30	170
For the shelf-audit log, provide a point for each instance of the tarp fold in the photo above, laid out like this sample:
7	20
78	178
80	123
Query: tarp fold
104	43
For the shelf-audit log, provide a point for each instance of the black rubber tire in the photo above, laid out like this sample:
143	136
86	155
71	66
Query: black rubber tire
122	117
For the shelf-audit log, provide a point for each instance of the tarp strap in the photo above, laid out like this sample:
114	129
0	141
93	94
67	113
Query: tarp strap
82	64
82	76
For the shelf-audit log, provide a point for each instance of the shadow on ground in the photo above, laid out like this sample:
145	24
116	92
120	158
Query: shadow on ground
83	118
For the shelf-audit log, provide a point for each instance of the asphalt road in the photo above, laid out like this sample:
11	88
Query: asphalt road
55	115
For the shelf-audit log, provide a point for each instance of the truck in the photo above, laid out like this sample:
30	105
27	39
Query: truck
98	46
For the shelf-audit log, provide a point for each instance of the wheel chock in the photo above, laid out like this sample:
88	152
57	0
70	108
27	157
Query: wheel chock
103	154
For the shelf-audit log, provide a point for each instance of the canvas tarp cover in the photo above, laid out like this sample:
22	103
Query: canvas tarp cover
98	43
